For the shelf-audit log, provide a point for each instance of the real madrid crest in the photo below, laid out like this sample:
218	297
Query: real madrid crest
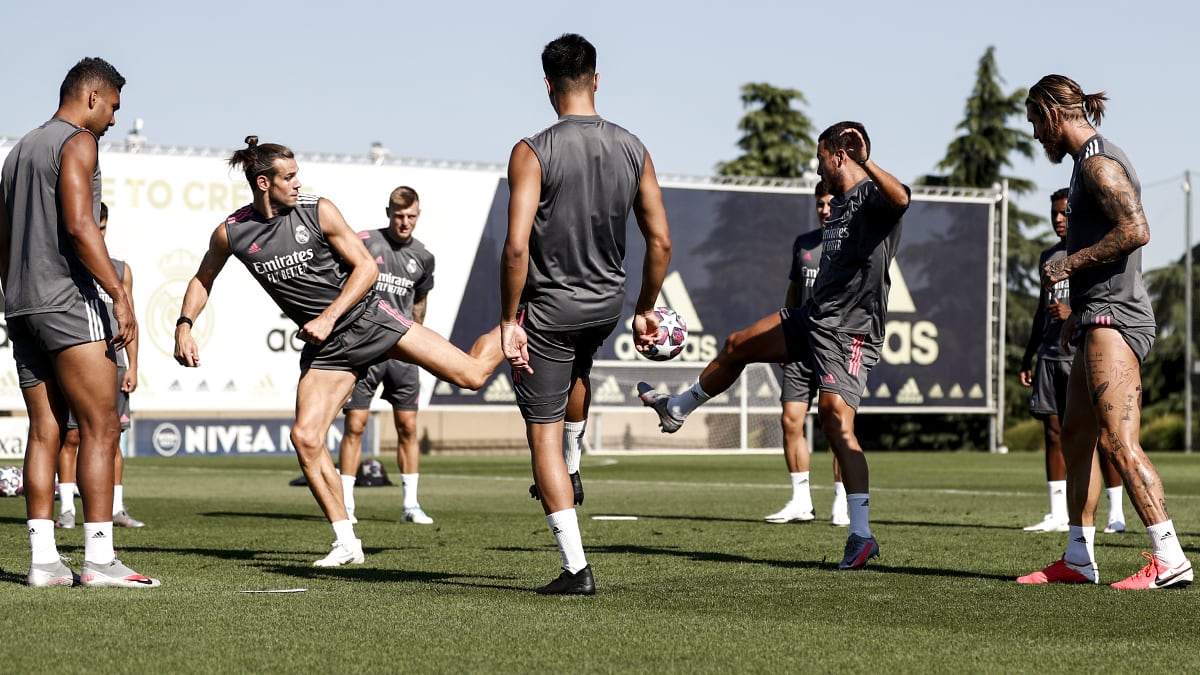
301	234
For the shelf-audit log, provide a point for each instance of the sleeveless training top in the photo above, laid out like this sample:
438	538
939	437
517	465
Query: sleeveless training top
1112	293
290	258
591	169
861	236
44	272
405	270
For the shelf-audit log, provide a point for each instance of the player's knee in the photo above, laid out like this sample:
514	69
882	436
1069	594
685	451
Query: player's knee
307	439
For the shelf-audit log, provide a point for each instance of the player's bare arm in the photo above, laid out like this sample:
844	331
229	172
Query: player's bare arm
1119	202
890	188
78	165
196	296
129	381
651	218
350	248
419	306
525	186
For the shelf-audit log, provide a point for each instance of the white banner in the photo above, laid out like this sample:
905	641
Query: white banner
162	211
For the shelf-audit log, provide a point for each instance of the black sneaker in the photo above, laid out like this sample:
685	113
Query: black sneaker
576	487
579	583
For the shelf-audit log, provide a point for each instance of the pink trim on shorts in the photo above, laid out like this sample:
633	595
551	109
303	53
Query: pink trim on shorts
856	345
392	312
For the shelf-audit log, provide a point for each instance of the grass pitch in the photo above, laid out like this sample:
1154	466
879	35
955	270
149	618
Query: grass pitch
698	583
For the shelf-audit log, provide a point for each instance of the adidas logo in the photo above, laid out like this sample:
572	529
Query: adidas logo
1080	540
555	530
254	248
99	535
828	379
674	294
609	392
1167	535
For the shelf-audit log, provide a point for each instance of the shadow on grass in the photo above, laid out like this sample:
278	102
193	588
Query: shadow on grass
365	573
269	516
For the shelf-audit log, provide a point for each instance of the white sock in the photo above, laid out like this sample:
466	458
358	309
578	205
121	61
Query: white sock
66	498
343	531
1058	499
565	526
409	482
41	541
1081	549
682	405
118	500
348	491
1165	543
800	492
573	444
98	543
860	513
839	499
1116	507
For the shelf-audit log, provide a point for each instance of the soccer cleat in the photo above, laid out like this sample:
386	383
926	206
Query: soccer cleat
123	519
841	519
415	514
1049	524
576	487
114	574
792	513
66	520
1157	575
1059	573
651	399
50	574
343	554
1115	527
858	551
579	583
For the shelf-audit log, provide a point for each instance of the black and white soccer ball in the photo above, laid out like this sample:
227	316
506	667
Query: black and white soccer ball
672	335
12	481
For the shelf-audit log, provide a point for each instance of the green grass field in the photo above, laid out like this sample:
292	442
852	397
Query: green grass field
697	584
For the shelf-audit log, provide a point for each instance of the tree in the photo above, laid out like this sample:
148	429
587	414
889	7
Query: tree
776	138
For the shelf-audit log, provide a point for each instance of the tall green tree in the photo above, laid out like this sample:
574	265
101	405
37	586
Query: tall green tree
777	139
980	156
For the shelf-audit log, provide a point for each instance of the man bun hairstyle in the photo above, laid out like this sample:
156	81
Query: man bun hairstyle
569	61
1064	94
89	71
259	160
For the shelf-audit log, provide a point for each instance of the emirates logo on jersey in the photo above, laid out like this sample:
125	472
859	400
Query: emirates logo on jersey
301	234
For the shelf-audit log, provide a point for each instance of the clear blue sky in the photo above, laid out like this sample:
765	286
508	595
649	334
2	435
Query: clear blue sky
462	80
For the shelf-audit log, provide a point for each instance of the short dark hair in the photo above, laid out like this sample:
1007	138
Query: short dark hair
568	61
89	70
259	160
834	140
820	189
1060	193
103	211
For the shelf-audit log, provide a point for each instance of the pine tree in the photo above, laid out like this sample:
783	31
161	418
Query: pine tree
777	139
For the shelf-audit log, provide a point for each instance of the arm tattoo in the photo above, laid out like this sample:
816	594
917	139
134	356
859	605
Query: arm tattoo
1107	181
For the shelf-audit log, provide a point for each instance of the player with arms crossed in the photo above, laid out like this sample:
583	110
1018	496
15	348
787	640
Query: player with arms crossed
52	258
796	392
299	248
562	285
1049	400
839	332
1113	325
405	279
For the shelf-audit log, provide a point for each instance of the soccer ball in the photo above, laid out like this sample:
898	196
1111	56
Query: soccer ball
12	481
672	334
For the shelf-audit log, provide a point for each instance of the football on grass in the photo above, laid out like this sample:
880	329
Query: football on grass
672	334
12	481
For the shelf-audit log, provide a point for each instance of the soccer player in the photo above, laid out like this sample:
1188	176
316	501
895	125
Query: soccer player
562	282
52	258
1113	326
126	382
796	392
1049	383
405	279
316	269
839	332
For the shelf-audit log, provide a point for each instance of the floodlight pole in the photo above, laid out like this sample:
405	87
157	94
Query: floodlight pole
1188	367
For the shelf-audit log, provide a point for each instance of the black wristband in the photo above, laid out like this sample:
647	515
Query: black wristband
864	162
182	320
